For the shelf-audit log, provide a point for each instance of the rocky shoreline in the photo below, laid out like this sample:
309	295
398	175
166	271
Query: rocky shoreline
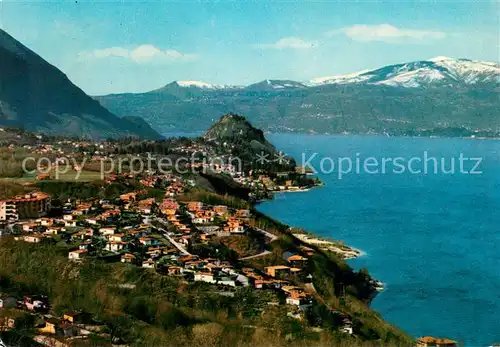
345	252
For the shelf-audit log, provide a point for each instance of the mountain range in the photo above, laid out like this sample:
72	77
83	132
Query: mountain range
438	94
442	95
36	96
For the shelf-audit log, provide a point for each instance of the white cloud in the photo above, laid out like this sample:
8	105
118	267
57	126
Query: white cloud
288	43
141	54
110	52
387	33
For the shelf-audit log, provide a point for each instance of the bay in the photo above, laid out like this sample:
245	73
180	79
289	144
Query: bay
431	238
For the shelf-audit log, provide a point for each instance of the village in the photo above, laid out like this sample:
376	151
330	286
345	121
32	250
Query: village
183	210
156	234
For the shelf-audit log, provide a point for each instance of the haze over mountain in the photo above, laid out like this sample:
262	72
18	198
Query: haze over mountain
36	96
438	94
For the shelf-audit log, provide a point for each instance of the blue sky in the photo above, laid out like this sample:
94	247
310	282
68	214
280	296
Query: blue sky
110	47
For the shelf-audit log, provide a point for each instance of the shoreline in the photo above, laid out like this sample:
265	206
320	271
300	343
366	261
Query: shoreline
335	134
345	252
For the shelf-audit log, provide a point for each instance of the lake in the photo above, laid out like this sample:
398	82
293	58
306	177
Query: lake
432	238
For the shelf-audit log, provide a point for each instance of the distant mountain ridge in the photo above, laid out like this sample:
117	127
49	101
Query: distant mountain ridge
36	96
438	95
439	71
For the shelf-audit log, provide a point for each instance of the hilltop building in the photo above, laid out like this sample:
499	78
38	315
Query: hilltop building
31	205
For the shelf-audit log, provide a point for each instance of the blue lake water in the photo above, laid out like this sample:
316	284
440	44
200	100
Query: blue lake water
432	239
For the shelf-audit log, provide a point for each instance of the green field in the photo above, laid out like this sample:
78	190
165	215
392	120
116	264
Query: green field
70	176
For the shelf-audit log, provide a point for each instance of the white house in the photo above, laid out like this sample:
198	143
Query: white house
3	210
227	281
77	254
107	231
148	264
33	238
114	246
204	277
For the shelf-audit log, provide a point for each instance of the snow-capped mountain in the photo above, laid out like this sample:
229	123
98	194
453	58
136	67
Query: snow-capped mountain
204	85
436	71
355	77
275	85
455	96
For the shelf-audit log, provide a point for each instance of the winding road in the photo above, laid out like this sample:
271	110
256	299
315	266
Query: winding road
270	236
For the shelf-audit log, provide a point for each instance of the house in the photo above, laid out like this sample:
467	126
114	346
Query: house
54	326
297	261
154	251
277	270
84	234
38	303
70	223
116	237
54	230
346	326
46	222
188	257
128	196
226	281
258	283
31	205
147	241
174	270
428	341
78	254
3	210
307	251
29	227
148	264
107	231
204	277
203	217
193	206
33	238
221	210
115	246
297	298
128	258
85	244
135	232
78	317
243	213
233	226
92	221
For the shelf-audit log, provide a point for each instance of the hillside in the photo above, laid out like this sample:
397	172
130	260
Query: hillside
444	96
234	134
36	96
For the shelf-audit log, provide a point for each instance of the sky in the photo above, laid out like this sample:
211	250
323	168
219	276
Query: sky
113	47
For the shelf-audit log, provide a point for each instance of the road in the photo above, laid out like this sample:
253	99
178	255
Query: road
270	236
170	239
256	255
